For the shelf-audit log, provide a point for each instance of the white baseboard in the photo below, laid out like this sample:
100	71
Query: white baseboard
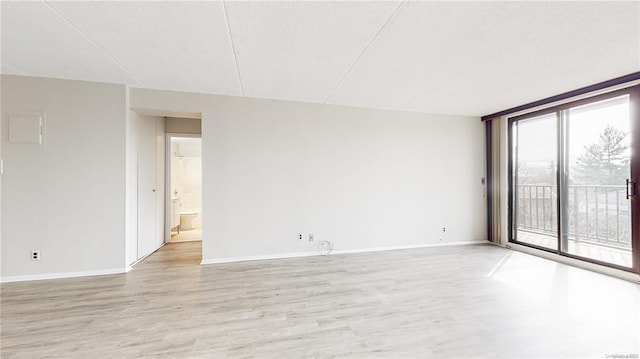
258	258
335	251
24	278
411	246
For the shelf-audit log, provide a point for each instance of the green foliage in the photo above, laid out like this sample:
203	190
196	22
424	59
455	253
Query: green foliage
605	162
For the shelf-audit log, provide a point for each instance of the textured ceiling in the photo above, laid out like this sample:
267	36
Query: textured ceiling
469	58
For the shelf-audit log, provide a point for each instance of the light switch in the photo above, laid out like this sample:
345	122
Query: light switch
26	128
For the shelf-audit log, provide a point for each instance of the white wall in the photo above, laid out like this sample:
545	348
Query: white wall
131	187
161	203
65	199
360	178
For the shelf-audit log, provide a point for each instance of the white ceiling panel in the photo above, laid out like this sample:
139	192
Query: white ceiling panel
167	45
596	41
300	50
37	42
425	46
471	58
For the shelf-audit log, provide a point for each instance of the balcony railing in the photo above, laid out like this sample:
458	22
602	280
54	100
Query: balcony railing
597	213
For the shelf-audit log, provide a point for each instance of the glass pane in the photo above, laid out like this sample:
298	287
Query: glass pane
535	195
598	157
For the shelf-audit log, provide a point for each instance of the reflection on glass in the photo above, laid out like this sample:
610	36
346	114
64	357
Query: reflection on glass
535	181
598	163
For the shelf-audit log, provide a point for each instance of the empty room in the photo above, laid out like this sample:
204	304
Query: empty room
320	179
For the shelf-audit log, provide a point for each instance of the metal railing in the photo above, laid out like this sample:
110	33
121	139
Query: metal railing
596	213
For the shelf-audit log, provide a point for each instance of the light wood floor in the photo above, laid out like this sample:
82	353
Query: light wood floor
619	256
445	302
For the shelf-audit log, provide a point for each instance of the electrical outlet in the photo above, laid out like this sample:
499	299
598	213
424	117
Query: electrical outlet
311	237
444	229
300	236
35	255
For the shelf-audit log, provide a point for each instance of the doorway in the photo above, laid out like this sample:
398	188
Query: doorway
184	188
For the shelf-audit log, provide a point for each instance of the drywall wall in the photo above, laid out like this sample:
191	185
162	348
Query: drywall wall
131	163
183	125
360	178
160	192
1	166
65	198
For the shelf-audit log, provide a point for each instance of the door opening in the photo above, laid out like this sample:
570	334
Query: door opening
184	188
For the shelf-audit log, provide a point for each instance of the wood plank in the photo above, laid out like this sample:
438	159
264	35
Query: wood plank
462	301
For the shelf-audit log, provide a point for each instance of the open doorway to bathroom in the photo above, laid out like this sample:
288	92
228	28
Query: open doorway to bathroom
184	187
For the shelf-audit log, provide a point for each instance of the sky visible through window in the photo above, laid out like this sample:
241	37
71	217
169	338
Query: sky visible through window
537	136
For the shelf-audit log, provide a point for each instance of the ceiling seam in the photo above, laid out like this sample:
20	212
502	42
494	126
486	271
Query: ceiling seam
111	57
353	64
233	46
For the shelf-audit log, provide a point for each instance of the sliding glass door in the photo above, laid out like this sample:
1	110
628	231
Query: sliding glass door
572	180
535	181
597	166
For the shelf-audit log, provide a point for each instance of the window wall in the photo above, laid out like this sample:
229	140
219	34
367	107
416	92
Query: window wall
572	179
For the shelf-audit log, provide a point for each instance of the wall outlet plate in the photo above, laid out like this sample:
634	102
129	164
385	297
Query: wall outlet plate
35	255
311	237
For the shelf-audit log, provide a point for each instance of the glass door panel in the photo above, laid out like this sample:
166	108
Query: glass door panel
597	156
535	218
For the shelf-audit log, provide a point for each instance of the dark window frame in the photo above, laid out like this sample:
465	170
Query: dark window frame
567	95
634	103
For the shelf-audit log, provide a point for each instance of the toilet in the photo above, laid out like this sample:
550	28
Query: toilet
185	220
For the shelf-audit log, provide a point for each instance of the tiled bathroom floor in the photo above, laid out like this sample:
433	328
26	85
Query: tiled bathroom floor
188	236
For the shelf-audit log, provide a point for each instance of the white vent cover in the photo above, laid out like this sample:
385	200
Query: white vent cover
26	128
